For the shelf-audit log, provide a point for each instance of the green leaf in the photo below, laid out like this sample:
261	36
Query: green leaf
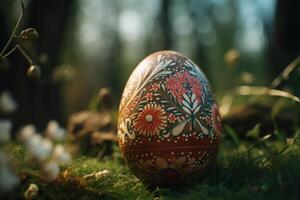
254	132
279	134
93	104
232	133
279	106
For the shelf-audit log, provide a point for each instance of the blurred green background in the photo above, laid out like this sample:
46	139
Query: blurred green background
88	44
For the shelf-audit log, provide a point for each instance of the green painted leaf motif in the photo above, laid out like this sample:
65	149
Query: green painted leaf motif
186	110
186	98
196	110
163	87
171	108
165	73
186	104
179	128
193	97
195	105
203	128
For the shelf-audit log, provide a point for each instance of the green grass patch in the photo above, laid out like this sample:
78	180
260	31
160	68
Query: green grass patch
261	169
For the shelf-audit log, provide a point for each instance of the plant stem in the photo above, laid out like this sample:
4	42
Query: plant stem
22	51
25	54
285	73
12	34
259	91
8	53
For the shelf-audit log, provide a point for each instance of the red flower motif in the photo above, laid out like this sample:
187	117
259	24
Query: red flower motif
154	87
149	96
180	77
176	88
196	87
150	120
172	118
187	76
176	85
216	119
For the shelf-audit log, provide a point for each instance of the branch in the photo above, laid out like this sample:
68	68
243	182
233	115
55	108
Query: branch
18	47
258	91
14	31
25	54
284	75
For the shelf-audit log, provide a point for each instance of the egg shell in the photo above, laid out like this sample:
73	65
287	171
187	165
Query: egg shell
169	126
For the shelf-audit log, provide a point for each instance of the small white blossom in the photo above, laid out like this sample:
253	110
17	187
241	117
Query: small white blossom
26	133
7	104
5	128
61	155
54	131
8	179
97	175
31	191
51	170
102	173
39	147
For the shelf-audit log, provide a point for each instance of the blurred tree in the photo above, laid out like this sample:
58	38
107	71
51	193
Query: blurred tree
112	63
199	53
3	32
165	24
160	39
39	100
3	38
285	41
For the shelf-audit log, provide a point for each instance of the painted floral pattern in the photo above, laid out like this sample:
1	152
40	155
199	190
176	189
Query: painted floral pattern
168	105
216	120
150	120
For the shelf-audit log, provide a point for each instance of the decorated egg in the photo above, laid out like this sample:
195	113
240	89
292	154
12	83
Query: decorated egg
169	125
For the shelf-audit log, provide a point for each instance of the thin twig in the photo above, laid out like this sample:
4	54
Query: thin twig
14	31
10	52
18	47
258	91
25	54
284	75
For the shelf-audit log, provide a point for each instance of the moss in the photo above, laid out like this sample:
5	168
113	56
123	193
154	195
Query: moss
253	170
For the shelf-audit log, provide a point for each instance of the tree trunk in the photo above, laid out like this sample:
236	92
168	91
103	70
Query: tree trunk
165	24
40	100
285	42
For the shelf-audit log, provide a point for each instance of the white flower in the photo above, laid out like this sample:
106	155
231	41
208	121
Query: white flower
54	131
5	128
51	170
97	175
8	179
102	173
60	154
39	147
31	191
26	133
7	104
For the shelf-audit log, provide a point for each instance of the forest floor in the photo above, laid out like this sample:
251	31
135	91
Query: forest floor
257	168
